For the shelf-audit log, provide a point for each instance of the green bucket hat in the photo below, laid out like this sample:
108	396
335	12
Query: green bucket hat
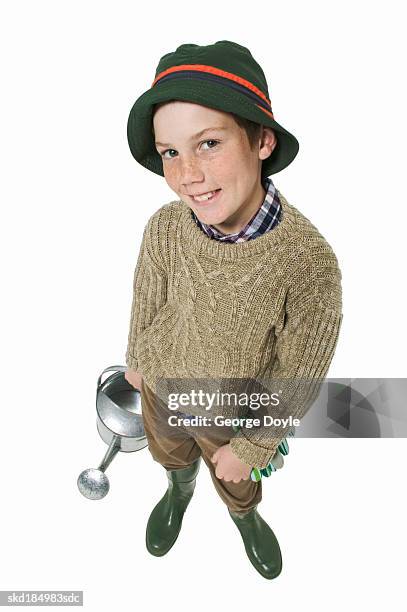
222	76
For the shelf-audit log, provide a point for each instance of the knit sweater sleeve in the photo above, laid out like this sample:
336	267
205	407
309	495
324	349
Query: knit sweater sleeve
149	291
304	348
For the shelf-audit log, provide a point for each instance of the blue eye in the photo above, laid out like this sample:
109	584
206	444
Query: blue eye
164	152
215	141
204	142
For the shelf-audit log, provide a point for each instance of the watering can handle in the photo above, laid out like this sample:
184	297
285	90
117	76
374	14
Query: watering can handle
116	368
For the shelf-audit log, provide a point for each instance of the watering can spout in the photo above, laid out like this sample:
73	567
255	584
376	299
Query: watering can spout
111	452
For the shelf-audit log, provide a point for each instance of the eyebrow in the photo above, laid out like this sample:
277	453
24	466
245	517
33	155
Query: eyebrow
195	136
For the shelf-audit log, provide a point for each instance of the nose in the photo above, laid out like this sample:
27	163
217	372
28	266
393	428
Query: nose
190	171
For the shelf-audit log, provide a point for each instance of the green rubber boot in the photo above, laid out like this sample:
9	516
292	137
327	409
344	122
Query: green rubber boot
165	520
260	543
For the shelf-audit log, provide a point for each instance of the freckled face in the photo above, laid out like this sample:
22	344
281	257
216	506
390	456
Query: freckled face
218	159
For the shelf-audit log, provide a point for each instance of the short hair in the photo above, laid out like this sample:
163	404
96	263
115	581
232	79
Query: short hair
252	129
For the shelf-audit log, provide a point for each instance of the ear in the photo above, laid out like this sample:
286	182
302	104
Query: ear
268	142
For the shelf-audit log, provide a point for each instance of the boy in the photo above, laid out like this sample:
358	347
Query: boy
231	282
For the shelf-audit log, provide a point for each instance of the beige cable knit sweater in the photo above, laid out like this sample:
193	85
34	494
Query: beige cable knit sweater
265	308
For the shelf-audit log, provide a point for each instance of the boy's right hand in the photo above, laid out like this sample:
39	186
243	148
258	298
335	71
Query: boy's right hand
134	377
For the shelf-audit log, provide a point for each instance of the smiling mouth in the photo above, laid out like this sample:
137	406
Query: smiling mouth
206	197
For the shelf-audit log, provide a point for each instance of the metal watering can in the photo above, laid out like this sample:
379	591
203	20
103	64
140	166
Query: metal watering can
120	425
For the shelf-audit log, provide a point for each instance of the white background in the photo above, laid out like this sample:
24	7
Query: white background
73	207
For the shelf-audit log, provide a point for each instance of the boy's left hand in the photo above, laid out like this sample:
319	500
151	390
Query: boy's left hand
229	467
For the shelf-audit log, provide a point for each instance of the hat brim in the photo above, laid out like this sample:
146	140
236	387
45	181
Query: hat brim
139	125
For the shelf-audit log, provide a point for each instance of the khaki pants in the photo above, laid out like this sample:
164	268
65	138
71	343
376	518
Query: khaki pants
178	447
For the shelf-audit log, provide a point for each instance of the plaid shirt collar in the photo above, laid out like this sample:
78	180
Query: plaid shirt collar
264	220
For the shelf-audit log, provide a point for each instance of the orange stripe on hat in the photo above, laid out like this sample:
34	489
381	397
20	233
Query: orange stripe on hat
218	72
265	111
